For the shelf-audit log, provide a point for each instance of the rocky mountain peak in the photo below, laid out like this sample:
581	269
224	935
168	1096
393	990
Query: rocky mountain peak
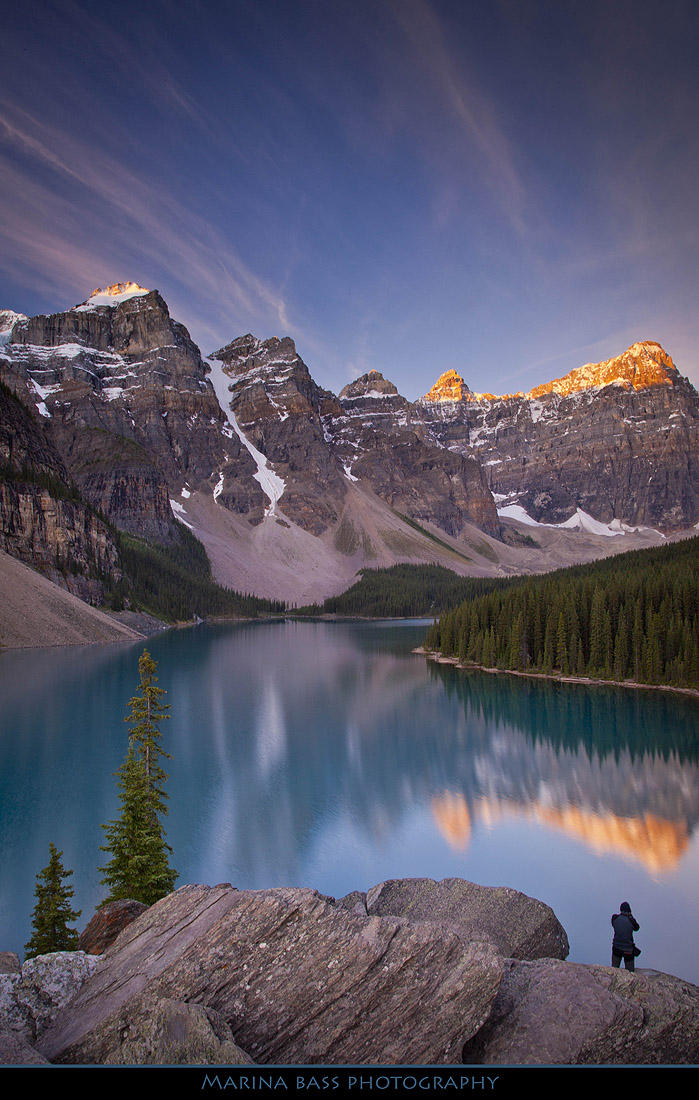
607	438
644	364
112	295
123	391
248	353
372	384
8	319
450	386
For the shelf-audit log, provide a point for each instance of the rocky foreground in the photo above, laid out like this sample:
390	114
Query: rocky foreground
415	972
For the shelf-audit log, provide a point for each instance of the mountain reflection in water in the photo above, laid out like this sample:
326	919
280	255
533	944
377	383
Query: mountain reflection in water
610	767
329	755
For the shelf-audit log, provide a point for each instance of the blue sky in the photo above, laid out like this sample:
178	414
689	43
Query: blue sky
503	187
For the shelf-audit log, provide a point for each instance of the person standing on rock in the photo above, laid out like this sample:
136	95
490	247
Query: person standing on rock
624	924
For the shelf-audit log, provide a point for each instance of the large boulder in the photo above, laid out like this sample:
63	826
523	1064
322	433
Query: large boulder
549	1012
176	1034
410	973
107	923
518	926
32	999
297	979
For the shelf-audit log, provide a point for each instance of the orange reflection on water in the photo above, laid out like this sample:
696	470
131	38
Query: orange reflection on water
655	842
453	818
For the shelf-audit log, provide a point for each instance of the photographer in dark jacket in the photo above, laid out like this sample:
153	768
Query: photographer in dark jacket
623	947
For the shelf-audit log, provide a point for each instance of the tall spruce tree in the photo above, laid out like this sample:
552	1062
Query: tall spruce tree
53	911
139	867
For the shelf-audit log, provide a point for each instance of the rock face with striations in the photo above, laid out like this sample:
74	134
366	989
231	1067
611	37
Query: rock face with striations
125	408
618	440
381	438
127	404
297	979
43	522
280	409
412	972
317	442
554	1013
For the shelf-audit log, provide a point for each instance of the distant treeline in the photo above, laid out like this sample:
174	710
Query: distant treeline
634	616
404	590
173	582
572	716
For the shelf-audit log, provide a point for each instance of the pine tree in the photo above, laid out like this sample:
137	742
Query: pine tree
52	912
139	867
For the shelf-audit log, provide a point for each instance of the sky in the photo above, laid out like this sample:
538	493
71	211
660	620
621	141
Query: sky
507	188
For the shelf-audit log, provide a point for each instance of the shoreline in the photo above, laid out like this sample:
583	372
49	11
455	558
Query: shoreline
434	655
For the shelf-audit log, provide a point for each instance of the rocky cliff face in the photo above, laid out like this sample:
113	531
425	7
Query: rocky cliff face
280	410
43	522
140	424
128	407
317	442
618	440
134	417
382	439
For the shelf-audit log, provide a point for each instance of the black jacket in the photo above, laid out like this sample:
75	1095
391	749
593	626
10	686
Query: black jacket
624	925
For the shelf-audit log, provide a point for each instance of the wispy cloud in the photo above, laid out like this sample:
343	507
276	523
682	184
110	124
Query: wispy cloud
149	68
470	108
164	233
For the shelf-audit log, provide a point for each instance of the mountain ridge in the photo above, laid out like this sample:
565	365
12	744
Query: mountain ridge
280	477
618	440
639	366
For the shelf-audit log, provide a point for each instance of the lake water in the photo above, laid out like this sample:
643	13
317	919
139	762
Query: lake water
329	755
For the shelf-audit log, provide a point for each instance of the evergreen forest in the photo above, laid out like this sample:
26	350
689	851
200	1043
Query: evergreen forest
401	591
174	582
632	617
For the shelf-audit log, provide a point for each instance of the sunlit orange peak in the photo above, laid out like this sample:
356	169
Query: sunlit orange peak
450	386
644	364
117	289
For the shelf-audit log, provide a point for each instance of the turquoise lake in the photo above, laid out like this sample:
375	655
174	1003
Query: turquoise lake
329	755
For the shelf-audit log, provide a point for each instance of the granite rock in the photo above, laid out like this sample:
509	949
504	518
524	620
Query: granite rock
518	926
31	1000
9	962
549	1012
16	1051
176	1034
297	980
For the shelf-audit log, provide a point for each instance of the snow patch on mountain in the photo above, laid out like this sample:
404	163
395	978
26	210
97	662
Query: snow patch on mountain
111	296
42	393
8	319
578	521
271	484
179	513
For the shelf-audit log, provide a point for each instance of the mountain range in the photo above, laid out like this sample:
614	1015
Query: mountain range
111	419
